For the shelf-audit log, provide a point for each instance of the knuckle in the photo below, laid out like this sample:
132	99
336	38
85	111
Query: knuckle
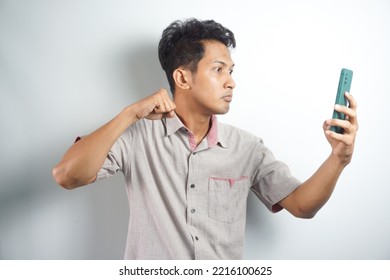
160	92
352	114
349	142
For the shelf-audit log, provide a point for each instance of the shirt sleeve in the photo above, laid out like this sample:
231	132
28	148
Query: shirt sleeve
273	180
117	157
110	166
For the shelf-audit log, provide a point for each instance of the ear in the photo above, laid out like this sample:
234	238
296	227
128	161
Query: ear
182	78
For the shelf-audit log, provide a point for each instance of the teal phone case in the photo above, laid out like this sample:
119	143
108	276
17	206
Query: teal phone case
344	85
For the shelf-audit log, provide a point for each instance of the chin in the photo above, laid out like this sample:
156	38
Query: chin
221	111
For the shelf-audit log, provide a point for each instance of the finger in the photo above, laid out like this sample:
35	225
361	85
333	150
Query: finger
159	107
170	114
340	123
326	126
351	100
169	105
164	107
349	112
164	103
346	139
172	105
346	125
334	135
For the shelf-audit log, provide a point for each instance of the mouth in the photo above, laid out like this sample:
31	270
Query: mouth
228	97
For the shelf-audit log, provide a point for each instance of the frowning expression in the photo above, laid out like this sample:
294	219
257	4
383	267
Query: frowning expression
212	85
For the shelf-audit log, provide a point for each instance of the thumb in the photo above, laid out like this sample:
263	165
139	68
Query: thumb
169	114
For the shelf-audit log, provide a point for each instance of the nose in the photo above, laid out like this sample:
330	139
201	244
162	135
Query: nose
230	84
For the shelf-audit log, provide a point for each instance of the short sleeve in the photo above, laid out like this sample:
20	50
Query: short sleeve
110	167
273	180
117	158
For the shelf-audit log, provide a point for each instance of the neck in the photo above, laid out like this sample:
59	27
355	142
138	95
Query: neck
198	124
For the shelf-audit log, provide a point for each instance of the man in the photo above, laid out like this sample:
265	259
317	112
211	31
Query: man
188	175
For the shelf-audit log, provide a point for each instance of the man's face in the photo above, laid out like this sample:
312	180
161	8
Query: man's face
212	84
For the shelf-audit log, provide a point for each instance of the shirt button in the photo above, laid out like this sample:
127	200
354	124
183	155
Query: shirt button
196	238
192	186
194	153
192	210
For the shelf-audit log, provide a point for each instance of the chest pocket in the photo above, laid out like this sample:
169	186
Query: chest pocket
227	198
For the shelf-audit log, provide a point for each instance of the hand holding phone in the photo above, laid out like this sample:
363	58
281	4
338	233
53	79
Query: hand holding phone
344	85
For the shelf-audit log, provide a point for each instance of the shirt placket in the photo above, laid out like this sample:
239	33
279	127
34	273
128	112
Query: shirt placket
197	197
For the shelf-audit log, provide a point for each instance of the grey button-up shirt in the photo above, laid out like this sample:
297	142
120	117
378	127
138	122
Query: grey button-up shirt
188	201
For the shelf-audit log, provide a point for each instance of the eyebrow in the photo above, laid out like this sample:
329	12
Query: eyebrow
223	63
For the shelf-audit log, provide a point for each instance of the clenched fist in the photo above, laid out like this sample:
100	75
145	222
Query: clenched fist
156	106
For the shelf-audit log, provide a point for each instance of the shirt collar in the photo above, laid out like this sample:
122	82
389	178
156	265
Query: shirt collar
172	125
214	136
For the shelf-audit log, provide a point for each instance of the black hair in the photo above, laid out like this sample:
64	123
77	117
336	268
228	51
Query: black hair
181	44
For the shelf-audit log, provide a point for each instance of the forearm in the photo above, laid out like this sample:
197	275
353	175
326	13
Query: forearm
315	192
309	197
81	163
83	160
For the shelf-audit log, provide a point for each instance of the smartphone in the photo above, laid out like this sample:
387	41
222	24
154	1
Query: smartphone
344	85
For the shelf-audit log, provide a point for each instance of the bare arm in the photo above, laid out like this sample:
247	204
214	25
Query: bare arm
81	163
308	198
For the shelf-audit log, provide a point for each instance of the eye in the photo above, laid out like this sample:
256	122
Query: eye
218	69
231	72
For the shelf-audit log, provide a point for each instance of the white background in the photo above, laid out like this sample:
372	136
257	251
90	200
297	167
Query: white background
67	67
